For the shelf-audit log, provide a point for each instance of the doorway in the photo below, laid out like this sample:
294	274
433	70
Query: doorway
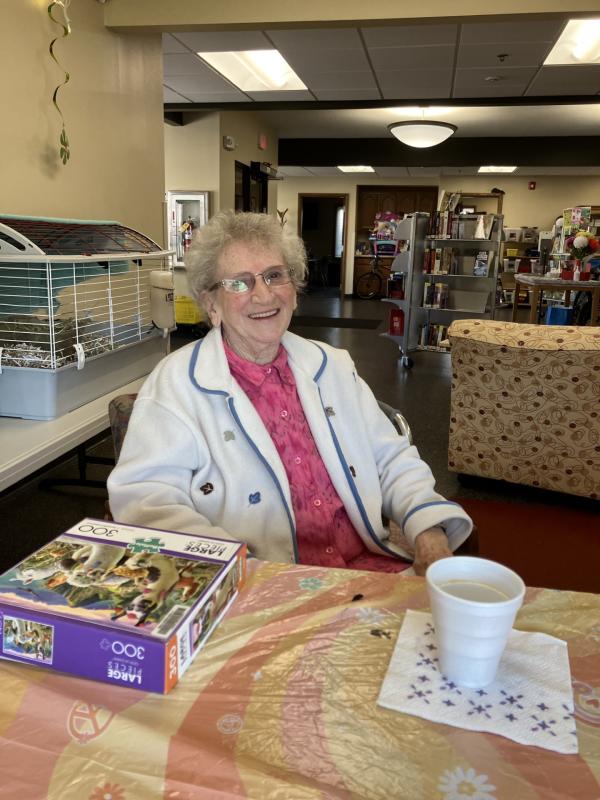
251	190
322	224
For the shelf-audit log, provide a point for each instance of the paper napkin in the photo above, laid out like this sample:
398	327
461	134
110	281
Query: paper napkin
530	701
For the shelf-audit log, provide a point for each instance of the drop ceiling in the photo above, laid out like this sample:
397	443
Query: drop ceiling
488	74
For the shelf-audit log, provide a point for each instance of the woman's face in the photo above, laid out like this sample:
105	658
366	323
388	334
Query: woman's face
253	322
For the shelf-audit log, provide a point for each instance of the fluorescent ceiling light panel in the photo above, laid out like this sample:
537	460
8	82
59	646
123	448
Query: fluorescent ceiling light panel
356	169
579	43
255	70
496	169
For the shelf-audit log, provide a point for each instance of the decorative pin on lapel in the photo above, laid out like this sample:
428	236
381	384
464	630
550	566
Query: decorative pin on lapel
329	411
254	498
206	488
229	436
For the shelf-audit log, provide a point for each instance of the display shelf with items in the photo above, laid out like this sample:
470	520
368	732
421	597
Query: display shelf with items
401	288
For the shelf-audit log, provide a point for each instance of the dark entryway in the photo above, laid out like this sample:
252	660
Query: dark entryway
322	226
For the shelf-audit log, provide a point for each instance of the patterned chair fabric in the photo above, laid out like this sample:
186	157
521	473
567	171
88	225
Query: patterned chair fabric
525	404
119	412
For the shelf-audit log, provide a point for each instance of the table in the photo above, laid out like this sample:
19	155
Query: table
281	703
27	445
540	284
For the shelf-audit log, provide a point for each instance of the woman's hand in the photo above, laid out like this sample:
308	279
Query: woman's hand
430	545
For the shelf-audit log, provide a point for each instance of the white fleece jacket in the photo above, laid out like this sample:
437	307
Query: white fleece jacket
198	459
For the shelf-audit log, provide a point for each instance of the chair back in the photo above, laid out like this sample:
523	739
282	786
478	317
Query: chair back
119	413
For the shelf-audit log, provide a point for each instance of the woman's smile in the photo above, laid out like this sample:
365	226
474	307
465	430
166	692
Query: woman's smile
254	321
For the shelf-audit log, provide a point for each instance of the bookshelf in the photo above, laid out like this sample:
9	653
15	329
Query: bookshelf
458	279
407	264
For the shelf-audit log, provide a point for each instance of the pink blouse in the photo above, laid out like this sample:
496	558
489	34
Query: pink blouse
324	533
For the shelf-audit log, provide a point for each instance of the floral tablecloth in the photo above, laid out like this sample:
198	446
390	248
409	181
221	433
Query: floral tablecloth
281	703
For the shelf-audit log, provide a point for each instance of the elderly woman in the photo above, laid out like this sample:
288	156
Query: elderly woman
256	434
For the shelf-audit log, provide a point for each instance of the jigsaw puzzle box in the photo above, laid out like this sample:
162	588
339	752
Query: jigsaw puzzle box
118	603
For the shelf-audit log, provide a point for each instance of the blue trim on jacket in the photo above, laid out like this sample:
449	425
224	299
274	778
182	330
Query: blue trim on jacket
355	494
426	505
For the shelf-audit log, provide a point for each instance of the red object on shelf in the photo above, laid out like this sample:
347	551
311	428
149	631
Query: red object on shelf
396	324
567	274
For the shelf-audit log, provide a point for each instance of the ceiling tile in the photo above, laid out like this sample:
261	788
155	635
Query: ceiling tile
169	96
217	97
171	45
303	61
325	171
559	170
423	172
313	39
408	84
392	172
266	97
504	32
339	80
566	80
184	64
201	83
434	56
459	171
222	41
398	35
473	83
294	172
517	55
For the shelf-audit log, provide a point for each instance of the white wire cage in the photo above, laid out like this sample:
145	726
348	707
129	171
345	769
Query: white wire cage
72	292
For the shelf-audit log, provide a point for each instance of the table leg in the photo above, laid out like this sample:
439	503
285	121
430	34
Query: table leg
515	302
595	305
535	296
567	297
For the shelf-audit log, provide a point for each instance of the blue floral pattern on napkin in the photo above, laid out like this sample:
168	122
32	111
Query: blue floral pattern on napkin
530	701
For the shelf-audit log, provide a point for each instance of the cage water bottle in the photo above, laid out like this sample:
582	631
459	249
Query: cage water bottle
161	299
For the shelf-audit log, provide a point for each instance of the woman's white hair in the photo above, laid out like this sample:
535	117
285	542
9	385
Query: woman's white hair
229	227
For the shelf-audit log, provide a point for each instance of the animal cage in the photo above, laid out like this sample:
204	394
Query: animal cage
75	312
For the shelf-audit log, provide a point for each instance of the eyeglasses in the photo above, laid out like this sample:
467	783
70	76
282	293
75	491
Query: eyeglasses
246	281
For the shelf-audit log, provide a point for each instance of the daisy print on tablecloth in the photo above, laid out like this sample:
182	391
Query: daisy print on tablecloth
460	784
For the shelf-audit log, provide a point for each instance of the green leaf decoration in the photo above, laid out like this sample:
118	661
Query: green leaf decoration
63	5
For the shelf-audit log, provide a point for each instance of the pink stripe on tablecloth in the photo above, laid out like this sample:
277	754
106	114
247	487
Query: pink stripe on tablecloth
36	738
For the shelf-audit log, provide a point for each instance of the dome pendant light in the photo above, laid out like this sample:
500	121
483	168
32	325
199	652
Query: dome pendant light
422	132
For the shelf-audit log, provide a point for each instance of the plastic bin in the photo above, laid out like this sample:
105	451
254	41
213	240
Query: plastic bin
559	315
186	311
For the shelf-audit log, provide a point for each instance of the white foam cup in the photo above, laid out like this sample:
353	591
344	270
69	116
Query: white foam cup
474	603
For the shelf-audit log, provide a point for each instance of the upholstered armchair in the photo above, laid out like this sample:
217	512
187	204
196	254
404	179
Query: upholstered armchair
525	404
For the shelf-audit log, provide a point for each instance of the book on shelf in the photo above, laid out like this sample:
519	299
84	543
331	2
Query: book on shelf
432	334
435	295
483	264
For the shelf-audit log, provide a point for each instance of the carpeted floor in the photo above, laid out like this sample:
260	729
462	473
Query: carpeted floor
546	545
334	322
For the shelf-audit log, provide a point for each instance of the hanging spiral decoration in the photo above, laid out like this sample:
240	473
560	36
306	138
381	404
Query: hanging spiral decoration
65	24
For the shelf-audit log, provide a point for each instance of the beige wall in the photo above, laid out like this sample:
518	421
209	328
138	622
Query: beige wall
195	157
192	156
538	208
245	127
113	111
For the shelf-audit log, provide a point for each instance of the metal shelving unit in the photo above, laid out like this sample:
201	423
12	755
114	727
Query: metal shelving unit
408	262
